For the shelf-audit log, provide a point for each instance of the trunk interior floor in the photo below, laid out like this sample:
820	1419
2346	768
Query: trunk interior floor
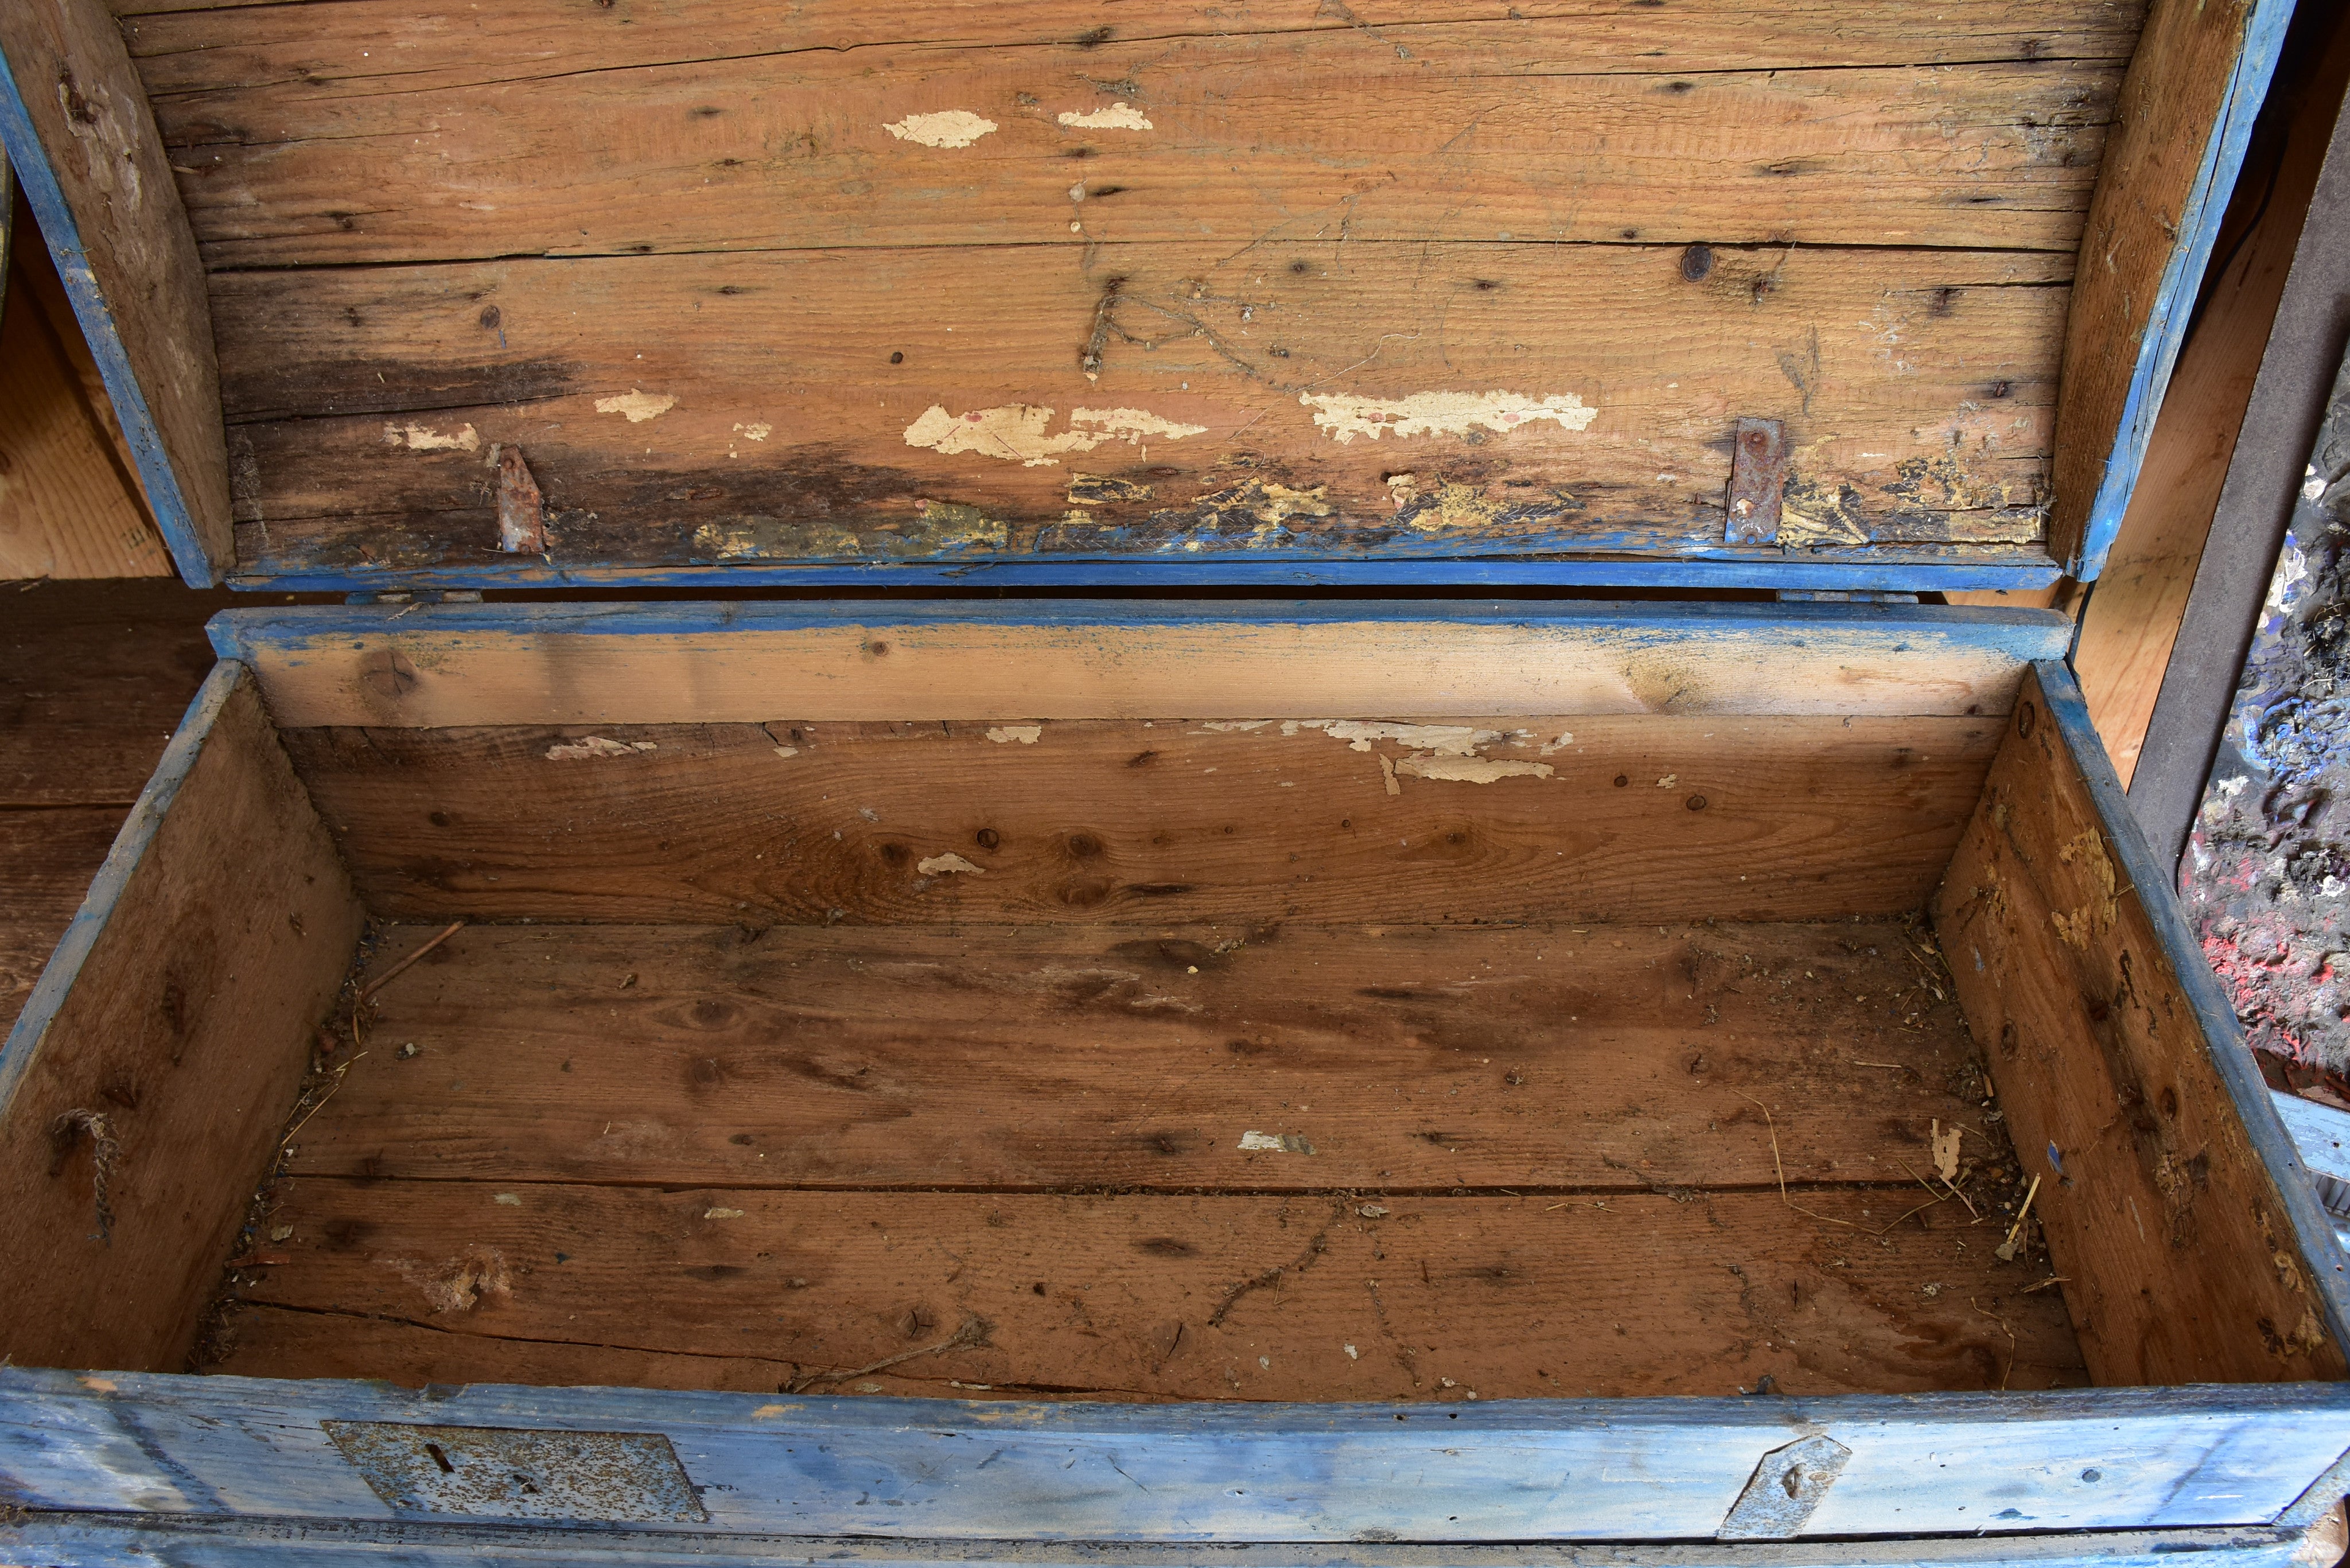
1389	1162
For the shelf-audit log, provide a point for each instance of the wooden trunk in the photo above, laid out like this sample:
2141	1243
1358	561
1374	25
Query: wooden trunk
1394	1082
1173	1054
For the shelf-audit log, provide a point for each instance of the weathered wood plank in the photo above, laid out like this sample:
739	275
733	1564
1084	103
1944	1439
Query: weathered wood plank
40	275
2132	622
142	1088
1315	134
2186	1255
79	131
183	47
1408	1058
93	679
67	508
1919	388
421	666
47	859
1199	1297
2185	113
1643	818
1638	1469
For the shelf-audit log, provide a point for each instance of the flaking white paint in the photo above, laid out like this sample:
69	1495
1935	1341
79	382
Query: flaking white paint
1470	770
1347	416
418	438
1459	740
947	128
1016	432
595	746
940	864
1116	117
638	406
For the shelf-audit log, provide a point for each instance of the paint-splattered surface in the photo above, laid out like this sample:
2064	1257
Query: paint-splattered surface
2267	865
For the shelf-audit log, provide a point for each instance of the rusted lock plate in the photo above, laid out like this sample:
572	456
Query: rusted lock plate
490	1472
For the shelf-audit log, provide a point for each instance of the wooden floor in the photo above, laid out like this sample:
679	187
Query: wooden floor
93	679
1131	1162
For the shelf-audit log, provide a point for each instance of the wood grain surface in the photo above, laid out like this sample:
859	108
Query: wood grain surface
2133	620
94	678
1624	1058
427	666
70	506
1204	1297
143	1103
2184	114
1433	820
1322	131
755	287
2183	1260
1919	388
47	859
97	175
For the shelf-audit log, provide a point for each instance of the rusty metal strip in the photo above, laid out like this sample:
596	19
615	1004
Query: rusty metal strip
1785	1488
491	1472
1758	473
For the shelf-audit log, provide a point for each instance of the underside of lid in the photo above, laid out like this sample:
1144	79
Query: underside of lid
698	291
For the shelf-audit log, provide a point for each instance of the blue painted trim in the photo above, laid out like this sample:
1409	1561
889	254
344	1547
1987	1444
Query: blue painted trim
2324	1495
2223	1035
2023	635
189	1541
1686	573
113	878
47	198
1501	1472
2183	279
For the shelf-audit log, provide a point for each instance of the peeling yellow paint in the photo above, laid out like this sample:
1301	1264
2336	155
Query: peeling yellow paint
1388	774
757	429
1797	528
722	1214
1347	416
1456	506
1116	117
1470	770
597	746
1016	433
942	527
1459	740
417	438
638	406
943	865
946	127
1026	734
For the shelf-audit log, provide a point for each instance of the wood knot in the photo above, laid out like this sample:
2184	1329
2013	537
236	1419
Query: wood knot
388	673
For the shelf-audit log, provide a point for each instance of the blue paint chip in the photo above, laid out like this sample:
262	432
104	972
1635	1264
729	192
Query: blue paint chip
2010	1513
2055	1160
